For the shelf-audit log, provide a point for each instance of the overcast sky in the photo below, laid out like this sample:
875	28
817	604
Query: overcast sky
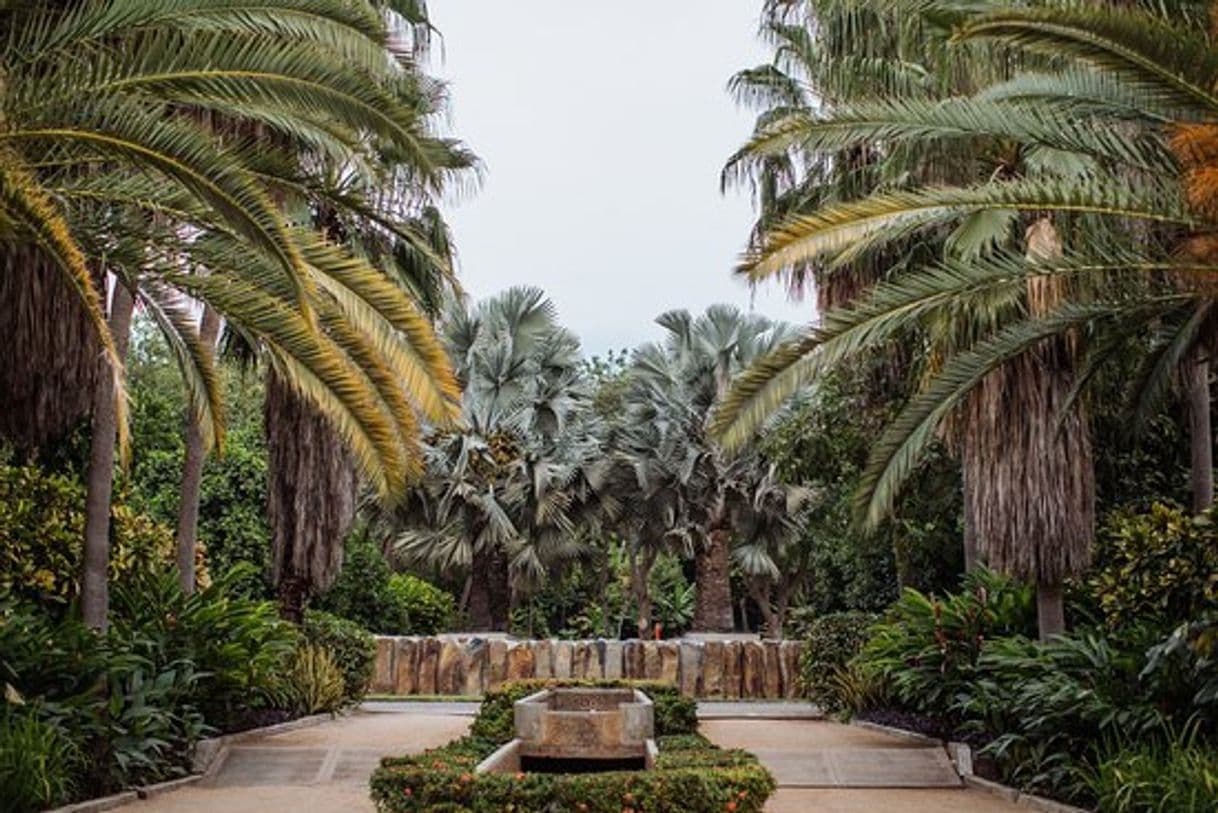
603	126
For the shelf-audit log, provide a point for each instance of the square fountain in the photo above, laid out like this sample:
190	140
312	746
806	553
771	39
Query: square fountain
579	730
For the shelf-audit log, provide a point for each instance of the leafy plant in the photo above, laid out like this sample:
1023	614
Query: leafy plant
829	644
1160	565
1179	777
1049	704
352	648
428	609
240	645
928	648
38	762
317	682
42	525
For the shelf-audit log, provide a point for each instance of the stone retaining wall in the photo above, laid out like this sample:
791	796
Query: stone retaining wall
454	665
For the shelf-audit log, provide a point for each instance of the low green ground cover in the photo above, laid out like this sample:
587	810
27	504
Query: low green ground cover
690	773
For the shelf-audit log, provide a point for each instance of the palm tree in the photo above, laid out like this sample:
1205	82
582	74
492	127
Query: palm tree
1100	124
97	151
681	379
502	489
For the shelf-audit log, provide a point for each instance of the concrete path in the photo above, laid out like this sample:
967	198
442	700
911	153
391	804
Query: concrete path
322	769
832	768
820	766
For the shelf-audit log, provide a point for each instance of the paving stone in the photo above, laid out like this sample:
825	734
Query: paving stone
252	766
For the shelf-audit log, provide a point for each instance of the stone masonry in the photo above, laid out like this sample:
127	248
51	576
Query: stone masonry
461	665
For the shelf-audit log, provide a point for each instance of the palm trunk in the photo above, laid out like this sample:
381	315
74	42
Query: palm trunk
761	590
48	371
489	591
1050	610
1201	444
970	521
94	582
713	608
192	472
640	574
311	494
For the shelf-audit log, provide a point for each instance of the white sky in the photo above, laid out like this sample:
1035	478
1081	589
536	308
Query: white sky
603	126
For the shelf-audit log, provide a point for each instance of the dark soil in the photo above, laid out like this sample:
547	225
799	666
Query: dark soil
936	727
256	718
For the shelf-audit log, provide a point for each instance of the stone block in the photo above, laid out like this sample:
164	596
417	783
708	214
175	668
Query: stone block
429	662
383	681
496	663
581	652
543	659
733	668
450	678
473	667
635	660
651	660
613	660
670	655
712	669
752	669
792	651
406	666
772	676
520	662
690	668
563	653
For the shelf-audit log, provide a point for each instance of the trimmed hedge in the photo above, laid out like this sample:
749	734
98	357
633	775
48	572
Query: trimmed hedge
691	775
674	713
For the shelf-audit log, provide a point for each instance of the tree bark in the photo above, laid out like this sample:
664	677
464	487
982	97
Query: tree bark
192	472
1050	610
489	591
970	521
94	582
762	593
713	608
640	573
311	493
1201	443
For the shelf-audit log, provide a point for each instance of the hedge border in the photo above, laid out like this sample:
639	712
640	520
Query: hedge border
691	775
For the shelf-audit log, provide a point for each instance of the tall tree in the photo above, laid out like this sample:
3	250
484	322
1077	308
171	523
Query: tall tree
1092	149
682	378
498	499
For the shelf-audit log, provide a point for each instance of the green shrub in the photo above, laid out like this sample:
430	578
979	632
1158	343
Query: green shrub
1049	704
351	646
854	688
317	683
927	648
38	763
1161	566
1179	778
42	525
690	775
427	609
675	714
239	645
831	641
361	592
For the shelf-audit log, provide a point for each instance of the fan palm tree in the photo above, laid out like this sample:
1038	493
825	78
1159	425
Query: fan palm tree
1100	122
681	379
109	130
503	489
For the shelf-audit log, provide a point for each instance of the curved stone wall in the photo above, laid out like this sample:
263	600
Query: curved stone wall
458	665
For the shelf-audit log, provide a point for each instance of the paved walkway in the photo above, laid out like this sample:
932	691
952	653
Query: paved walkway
820	766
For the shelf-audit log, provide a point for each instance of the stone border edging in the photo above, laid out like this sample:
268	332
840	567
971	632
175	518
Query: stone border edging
961	756
126	797
1019	798
209	753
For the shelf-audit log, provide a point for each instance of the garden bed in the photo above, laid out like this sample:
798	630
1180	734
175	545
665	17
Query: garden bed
690	774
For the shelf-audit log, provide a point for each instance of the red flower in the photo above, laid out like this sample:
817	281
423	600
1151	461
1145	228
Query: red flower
407	792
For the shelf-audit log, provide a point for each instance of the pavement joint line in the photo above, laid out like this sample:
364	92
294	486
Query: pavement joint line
326	772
